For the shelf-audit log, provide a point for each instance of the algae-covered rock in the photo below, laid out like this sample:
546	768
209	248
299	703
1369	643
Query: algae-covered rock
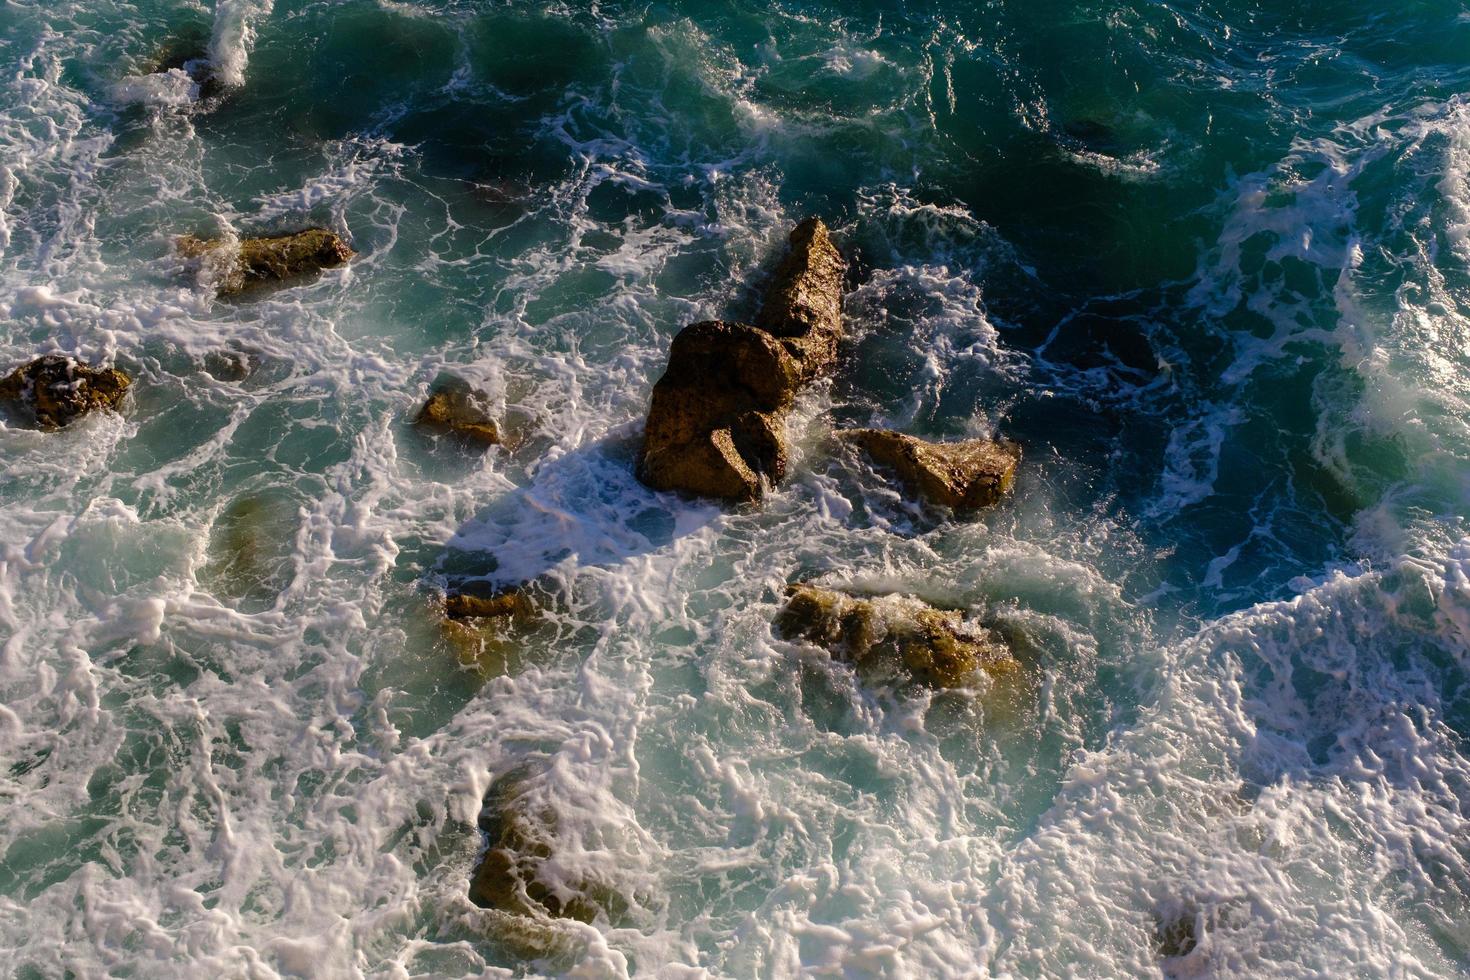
936	646
54	390
459	410
233	267
716	422
803	304
964	475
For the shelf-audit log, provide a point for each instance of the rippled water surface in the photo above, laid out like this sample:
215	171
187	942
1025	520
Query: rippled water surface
1208	264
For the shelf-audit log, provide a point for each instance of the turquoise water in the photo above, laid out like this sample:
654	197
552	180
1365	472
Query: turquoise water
1209	266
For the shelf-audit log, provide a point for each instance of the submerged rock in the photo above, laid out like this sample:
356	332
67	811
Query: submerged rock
716	423
518	874
460	411
251	546
188	54
963	475
936	646
277	258
54	390
803	304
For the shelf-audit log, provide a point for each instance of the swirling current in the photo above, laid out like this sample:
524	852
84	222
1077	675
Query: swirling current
1207	264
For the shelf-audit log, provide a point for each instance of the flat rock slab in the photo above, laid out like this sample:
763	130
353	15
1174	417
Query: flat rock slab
963	475
54	390
459	411
936	646
277	258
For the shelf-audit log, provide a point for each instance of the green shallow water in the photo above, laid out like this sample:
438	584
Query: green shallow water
1207	265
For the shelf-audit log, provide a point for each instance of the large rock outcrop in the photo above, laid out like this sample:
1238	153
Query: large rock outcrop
716	423
53	390
936	646
460	411
233	267
964	475
803	304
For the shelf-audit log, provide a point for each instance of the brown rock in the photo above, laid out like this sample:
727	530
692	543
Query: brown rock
54	389
271	259
962	475
522	837
506	604
716	422
803	304
716	425
459	410
936	646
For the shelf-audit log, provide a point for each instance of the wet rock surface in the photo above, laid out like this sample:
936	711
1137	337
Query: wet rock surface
460	411
507	604
188	53
253	261
55	390
716	423
803	304
936	646
963	476
518	873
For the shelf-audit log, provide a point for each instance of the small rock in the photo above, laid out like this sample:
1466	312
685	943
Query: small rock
803	304
230	365
54	389
963	475
459	410
270	259
936	646
716	422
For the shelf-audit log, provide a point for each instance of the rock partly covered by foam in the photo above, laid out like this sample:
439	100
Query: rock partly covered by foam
962	475
517	873
716	423
54	389
460	411
189	54
235	266
936	646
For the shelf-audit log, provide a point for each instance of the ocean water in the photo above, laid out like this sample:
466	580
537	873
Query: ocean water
1209	264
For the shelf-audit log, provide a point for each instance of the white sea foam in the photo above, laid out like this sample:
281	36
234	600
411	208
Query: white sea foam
235	25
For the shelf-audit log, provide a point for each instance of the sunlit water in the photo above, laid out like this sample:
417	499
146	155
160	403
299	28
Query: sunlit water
1209	266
